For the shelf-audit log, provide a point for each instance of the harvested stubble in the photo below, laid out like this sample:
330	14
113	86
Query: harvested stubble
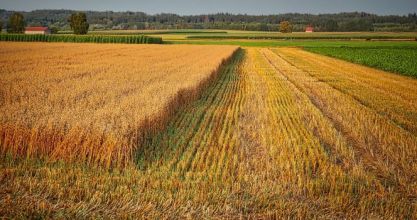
390	95
95	103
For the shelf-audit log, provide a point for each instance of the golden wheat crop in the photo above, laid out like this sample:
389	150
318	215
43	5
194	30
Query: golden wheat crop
89	102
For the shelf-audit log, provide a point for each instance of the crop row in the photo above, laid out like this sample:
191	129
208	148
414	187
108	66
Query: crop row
132	39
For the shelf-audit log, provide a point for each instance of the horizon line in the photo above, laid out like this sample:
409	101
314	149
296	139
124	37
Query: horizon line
210	13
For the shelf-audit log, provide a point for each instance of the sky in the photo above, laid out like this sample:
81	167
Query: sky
192	7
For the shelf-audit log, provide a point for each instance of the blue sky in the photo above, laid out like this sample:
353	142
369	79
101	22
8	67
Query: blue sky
188	7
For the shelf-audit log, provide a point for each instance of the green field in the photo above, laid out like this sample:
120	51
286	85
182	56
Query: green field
302	35
300	43
398	60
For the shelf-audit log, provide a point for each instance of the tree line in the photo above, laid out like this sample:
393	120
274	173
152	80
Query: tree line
77	21
106	20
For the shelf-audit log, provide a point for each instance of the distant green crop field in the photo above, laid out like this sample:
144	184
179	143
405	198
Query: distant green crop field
305	36
399	60
301	43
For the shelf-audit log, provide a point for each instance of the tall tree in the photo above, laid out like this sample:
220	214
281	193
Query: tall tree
16	23
285	27
78	23
1	25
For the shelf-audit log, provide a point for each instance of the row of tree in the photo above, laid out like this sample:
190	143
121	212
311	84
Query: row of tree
16	23
105	20
78	23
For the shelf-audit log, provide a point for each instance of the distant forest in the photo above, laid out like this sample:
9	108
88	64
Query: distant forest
108	20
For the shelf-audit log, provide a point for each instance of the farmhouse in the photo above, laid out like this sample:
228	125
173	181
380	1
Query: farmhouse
37	30
309	29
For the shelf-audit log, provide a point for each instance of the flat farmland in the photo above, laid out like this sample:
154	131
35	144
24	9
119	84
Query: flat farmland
89	102
277	133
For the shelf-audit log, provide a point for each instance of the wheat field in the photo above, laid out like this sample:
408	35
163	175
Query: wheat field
89	102
279	133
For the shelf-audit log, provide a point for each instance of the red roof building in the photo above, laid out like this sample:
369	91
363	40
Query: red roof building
309	29
37	30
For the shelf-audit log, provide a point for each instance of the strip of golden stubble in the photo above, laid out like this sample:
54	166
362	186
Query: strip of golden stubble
386	150
201	141
391	95
87	102
295	162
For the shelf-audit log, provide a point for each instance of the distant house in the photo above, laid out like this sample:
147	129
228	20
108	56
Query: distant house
309	29
37	30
